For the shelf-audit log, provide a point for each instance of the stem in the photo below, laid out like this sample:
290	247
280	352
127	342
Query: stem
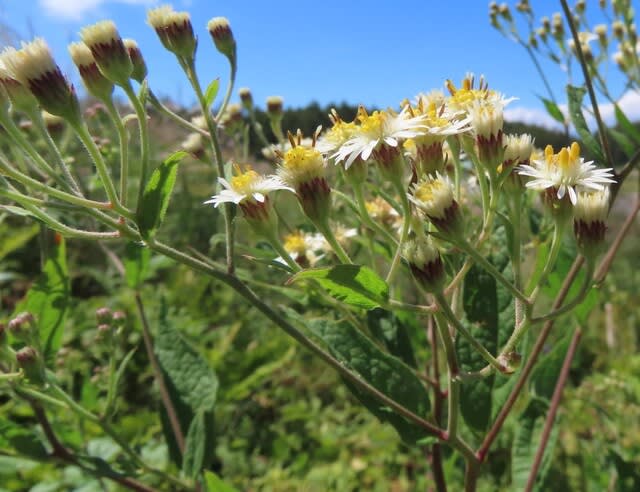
34	184
155	102
484	263
22	142
85	137
157	372
106	427
584	290
453	381
277	246
451	318
604	141
471	475
227	95
296	334
516	259
60	452
141	115
366	218
436	449
123	139
528	367
190	71
553	409
406	224
325	229
36	117
556	242
607	261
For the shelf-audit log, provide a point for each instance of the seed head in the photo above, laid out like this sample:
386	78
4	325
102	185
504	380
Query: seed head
109	51
174	30
222	36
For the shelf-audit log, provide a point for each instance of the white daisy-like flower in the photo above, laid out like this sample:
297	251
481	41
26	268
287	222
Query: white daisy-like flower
566	173
337	135
247	186
381	128
433	195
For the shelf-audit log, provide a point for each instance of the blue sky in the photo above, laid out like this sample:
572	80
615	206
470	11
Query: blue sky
374	53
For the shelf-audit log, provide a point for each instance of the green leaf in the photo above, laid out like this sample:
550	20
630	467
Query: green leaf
21	439
194	447
629	128
136	263
627	145
14	238
195	382
391	330
211	92
575	95
386	373
355	285
554	111
216	484
157	194
191	383
489	315
525	444
546	372
48	299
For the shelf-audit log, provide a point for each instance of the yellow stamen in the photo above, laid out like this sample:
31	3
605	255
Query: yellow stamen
574	152
563	158
548	154
295	243
426	191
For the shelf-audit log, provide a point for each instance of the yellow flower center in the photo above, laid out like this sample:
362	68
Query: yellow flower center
295	243
244	181
301	159
428	189
373	123
341	131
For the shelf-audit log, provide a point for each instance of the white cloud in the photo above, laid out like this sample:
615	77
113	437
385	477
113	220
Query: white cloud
76	10
629	103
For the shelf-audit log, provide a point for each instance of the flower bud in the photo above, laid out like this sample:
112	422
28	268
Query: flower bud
510	362
425	263
109	51
222	36
13	91
30	362
34	68
194	144
104	315
487	121
246	98
618	29
97	84
23	328
505	12
303	169
139	72
589	221
274	106
433	195
119	319
174	30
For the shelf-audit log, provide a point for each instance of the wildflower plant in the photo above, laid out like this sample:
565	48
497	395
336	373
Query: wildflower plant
371	217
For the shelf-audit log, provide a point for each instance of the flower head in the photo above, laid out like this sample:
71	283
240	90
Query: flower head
174	30
589	220
565	173
378	136
109	51
139	72
303	169
222	36
13	91
96	83
249	190
425	263
33	67
433	195
246	97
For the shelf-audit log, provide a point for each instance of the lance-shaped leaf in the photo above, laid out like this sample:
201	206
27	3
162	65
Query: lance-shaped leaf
211	92
136	263
386	373
525	444
355	285
192	385
575	96
156	196
552	108
48	298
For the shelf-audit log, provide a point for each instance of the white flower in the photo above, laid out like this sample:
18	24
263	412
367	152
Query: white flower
379	128
247	186
566	172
